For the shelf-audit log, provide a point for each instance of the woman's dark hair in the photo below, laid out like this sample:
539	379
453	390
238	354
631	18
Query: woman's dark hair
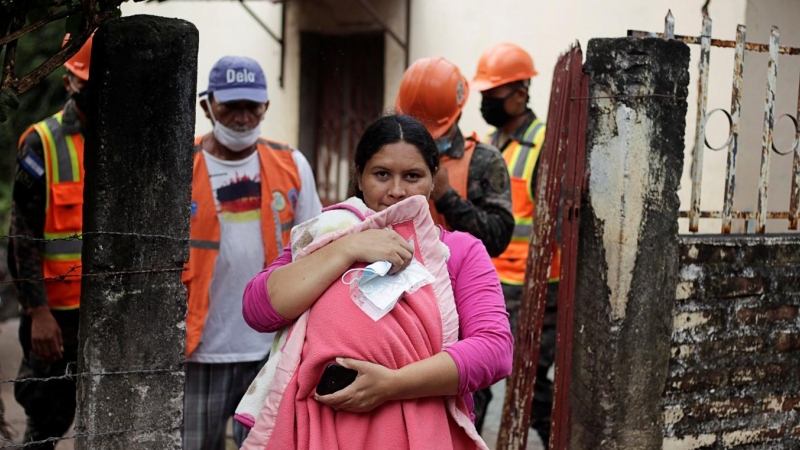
389	130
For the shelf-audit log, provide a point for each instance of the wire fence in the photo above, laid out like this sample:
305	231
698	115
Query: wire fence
70	372
83	435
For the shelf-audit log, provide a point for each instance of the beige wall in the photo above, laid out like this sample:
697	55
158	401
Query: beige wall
459	30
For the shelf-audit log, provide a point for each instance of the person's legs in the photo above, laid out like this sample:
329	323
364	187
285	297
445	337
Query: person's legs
244	374
513	297
542	405
205	415
482	398
49	405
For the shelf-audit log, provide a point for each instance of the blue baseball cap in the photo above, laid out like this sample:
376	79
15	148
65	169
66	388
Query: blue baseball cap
237	78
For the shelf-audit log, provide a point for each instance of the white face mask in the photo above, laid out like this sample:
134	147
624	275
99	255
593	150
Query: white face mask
234	140
376	292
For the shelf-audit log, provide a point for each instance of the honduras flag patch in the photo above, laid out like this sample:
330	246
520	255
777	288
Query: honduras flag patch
33	165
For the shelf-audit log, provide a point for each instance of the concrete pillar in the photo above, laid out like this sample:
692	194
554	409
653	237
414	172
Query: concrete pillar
628	247
138	162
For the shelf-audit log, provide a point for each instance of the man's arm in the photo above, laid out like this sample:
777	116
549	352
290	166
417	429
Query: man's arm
27	219
24	259
487	212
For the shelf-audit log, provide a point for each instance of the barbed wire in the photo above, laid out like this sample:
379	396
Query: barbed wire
90	435
94	274
78	237
669	96
69	376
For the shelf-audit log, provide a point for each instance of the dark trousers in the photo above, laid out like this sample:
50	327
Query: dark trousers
542	404
49	405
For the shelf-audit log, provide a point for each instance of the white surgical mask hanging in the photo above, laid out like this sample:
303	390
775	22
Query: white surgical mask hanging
234	140
377	293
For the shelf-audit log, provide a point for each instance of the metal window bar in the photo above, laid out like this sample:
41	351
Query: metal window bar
769	124
755	220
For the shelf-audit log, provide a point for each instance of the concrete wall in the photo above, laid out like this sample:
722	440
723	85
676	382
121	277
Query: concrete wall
735	345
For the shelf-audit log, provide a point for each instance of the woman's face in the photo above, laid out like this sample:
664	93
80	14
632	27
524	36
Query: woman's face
395	173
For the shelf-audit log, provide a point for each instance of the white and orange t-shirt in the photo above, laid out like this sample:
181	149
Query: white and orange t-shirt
237	194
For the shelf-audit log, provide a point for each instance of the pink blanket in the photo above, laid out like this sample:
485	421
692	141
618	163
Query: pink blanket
419	326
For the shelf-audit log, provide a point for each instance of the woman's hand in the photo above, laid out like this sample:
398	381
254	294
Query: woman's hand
379	245
373	387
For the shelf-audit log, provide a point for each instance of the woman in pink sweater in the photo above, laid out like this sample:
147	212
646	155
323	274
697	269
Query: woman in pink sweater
396	159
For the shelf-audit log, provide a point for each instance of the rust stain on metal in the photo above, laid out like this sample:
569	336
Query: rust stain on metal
700	134
749	46
733	146
766	138
745	215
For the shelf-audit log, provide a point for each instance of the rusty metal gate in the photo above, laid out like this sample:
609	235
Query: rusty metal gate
559	184
756	220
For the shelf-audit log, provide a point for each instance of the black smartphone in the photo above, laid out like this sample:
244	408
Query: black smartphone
335	378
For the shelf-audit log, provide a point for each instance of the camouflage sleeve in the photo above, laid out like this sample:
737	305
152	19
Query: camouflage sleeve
27	219
487	212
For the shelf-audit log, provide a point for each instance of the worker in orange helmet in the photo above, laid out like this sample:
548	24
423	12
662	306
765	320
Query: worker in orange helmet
48	204
503	77
471	189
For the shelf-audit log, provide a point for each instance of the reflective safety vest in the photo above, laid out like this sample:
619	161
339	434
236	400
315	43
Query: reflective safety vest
521	158
280	187
63	159
457	175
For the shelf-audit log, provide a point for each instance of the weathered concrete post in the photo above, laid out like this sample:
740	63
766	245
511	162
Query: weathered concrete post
628	247
138	176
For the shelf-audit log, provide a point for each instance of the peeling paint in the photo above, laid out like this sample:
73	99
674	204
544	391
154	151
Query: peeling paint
683	321
684	290
689	442
691	272
673	414
682	351
619	185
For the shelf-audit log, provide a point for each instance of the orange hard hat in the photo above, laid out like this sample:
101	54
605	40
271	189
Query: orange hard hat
434	92
79	63
503	64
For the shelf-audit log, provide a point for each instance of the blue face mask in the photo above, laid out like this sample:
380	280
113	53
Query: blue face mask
443	144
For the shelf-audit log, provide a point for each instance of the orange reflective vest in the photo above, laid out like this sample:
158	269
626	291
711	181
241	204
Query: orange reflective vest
280	185
63	160
457	175
521	158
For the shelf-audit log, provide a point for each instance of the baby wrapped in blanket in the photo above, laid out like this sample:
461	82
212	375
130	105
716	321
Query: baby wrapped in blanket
280	405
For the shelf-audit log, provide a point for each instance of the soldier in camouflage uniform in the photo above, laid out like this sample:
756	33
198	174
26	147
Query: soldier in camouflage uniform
503	78
485	212
48	188
471	190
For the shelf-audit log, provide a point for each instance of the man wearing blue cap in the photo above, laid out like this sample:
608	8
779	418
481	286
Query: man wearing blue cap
247	193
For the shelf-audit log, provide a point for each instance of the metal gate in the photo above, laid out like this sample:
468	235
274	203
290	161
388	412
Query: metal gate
756	220
558	186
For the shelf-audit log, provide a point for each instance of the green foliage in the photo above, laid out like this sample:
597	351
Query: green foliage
8	101
42	101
